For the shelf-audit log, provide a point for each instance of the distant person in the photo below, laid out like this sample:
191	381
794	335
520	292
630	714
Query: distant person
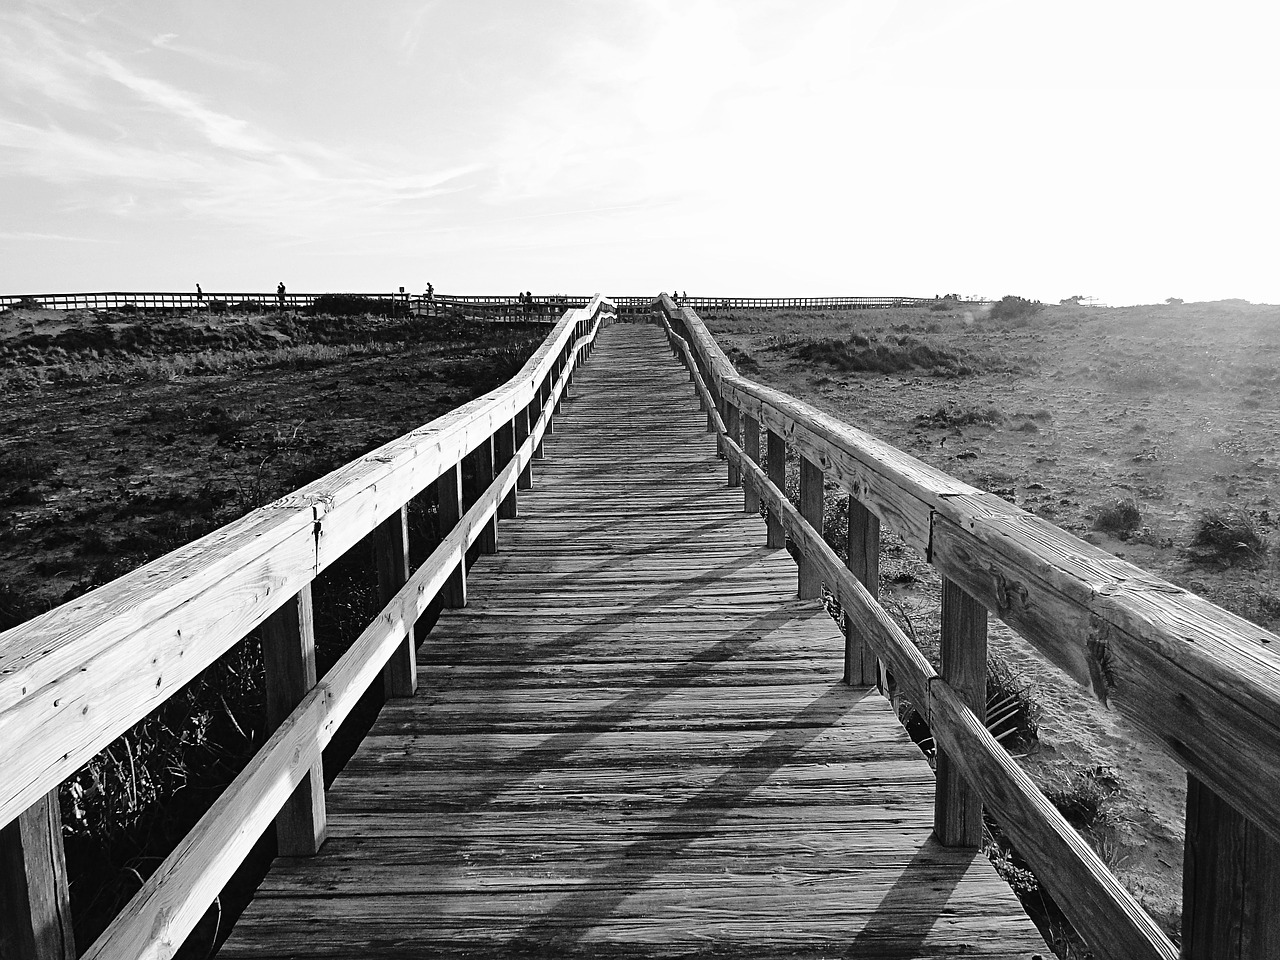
431	292
280	294
199	293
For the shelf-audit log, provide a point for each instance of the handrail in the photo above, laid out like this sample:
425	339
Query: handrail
73	679
182	300
1205	682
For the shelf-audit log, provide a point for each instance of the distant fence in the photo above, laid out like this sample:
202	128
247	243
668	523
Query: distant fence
536	309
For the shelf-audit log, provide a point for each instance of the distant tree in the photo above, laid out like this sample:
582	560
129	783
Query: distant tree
1073	301
1173	301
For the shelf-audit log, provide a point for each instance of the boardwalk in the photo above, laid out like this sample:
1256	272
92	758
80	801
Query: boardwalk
634	741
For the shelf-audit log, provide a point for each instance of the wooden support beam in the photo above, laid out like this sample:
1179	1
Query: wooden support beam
863	561
1230	883
810	578
521	425
504	448
546	399
289	665
35	908
448	489
751	443
777	453
957	806
484	474
391	557
733	423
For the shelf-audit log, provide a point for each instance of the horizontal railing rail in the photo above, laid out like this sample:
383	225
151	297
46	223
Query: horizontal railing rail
1202	681
75	678
505	304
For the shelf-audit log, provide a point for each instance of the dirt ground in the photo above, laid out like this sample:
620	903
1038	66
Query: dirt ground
1169	409
124	437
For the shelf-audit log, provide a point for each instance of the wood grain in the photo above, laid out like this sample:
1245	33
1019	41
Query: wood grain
634	741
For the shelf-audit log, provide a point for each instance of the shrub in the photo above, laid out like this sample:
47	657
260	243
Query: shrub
858	353
1013	715
1228	536
350	304
1015	308
1119	518
1082	799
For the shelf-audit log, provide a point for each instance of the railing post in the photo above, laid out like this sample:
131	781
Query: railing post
391	557
863	561
777	453
811	477
546	399
448	512
484	473
1230	882
751	443
504	448
35	907
521	426
732	423
289	666
957	806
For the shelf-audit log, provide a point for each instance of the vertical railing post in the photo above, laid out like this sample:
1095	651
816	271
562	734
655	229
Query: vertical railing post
391	557
811	495
777	454
289	668
504	448
863	561
448	488
35	906
732	423
484	474
751	443
521	427
1230	882
546	399
957	807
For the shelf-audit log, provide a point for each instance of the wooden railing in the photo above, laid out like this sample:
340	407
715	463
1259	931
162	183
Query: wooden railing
506	306
1201	681
75	678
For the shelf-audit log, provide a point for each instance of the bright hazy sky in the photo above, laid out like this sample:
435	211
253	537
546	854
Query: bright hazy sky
1123	150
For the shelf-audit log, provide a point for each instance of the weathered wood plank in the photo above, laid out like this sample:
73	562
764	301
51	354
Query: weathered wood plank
957	819
34	902
289	665
634	741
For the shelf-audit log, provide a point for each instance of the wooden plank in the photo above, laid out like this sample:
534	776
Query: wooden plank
732	423
1231	883
289	665
448	487
811	508
521	427
602	764
504	447
391	558
34	899
1215	726
777	457
750	443
1095	902
957	805
863	561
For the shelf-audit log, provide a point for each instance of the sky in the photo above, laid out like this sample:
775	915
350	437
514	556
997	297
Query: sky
1126	151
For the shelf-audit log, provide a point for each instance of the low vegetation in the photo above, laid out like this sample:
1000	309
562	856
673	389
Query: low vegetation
1228	536
160	436
1118	518
898	355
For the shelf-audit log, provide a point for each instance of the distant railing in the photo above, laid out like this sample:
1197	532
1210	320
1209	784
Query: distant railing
75	678
1204	682
540	308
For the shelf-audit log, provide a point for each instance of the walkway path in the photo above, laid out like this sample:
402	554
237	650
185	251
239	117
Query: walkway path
634	742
